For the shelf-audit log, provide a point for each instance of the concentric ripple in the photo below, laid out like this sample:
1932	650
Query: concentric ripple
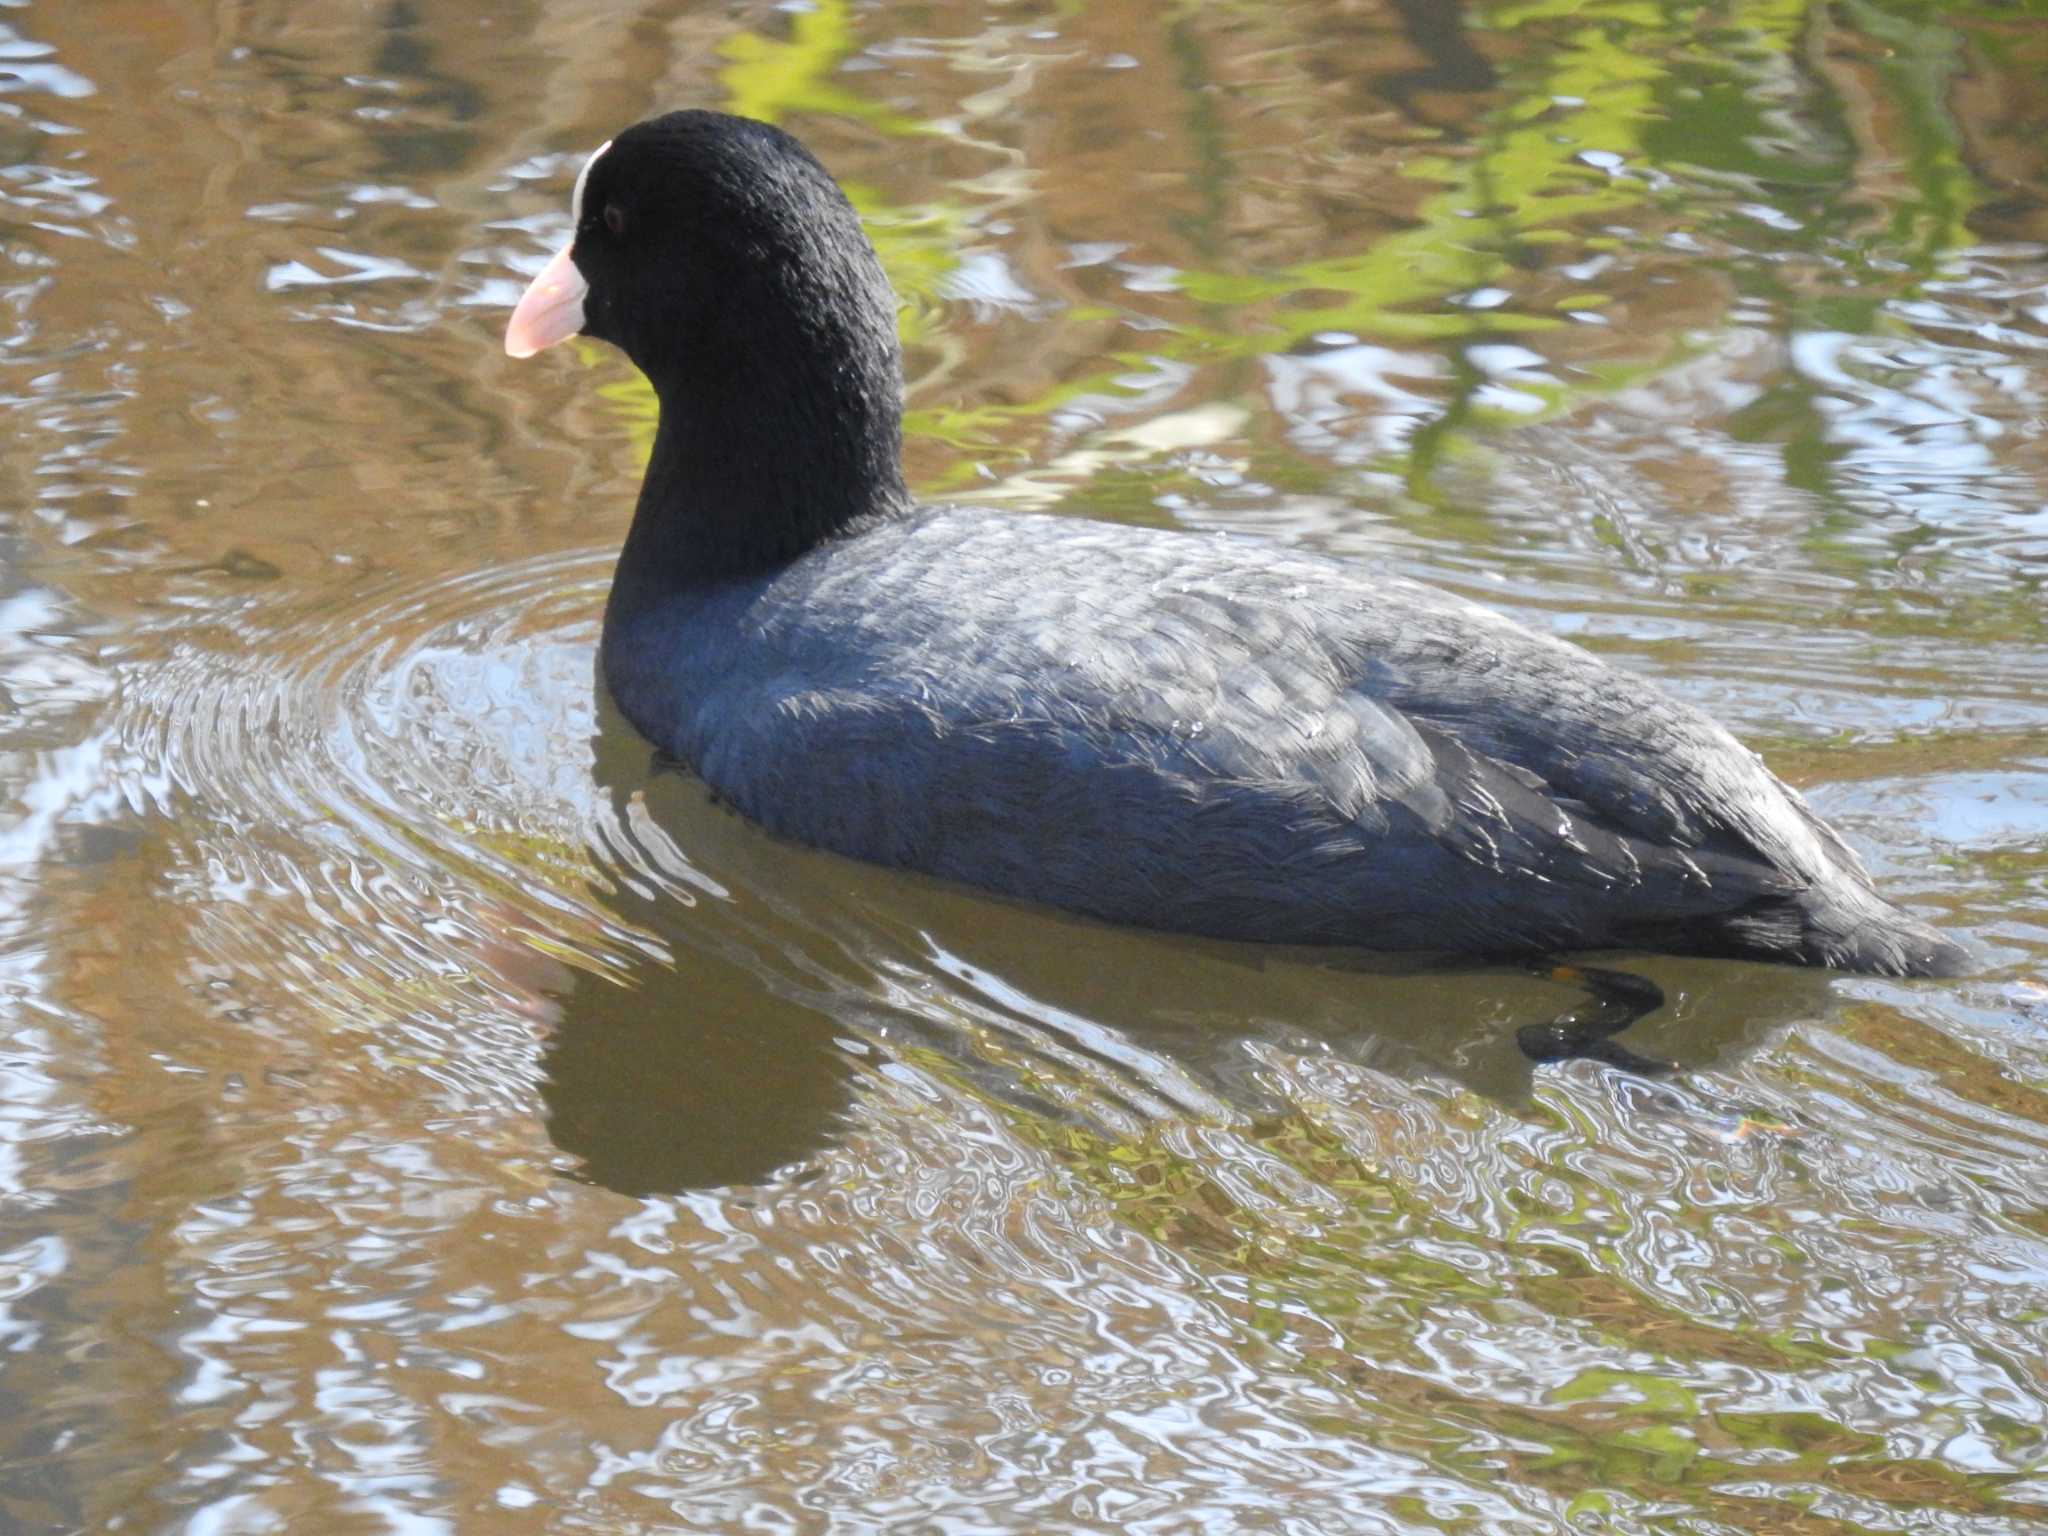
425	723
390	795
410	804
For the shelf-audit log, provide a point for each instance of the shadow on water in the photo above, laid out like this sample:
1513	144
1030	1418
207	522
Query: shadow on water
740	1057
718	1068
1454	67
675	1080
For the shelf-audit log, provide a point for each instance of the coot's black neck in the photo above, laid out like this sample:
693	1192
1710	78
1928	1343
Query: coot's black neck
745	479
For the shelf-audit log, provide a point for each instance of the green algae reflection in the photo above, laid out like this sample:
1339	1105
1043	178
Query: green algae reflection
1620	126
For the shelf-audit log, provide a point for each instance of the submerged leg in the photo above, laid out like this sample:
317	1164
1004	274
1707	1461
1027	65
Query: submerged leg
1616	999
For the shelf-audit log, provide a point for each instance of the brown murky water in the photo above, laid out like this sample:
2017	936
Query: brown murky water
420	1114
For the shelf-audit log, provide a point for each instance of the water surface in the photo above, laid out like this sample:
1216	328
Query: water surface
421	1111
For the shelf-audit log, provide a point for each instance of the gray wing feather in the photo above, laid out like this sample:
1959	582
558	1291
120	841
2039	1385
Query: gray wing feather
1217	735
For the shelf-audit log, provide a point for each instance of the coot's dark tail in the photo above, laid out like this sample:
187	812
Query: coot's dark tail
1849	928
1886	942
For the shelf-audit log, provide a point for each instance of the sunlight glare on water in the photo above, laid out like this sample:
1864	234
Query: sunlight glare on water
422	1111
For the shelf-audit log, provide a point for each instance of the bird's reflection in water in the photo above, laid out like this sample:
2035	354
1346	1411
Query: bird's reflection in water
792	972
728	1063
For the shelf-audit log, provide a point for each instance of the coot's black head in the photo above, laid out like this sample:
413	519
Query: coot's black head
727	264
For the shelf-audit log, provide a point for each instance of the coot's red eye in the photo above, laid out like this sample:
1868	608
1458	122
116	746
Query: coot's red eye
615	219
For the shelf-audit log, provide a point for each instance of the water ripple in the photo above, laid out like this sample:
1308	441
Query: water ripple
421	1110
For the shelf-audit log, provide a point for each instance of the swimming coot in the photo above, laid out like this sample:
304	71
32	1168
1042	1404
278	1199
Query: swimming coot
1190	732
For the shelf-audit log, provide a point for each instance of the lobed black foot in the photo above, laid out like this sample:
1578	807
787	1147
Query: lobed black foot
1616	999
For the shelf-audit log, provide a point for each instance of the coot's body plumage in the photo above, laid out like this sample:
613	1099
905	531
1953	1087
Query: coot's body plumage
1205	734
